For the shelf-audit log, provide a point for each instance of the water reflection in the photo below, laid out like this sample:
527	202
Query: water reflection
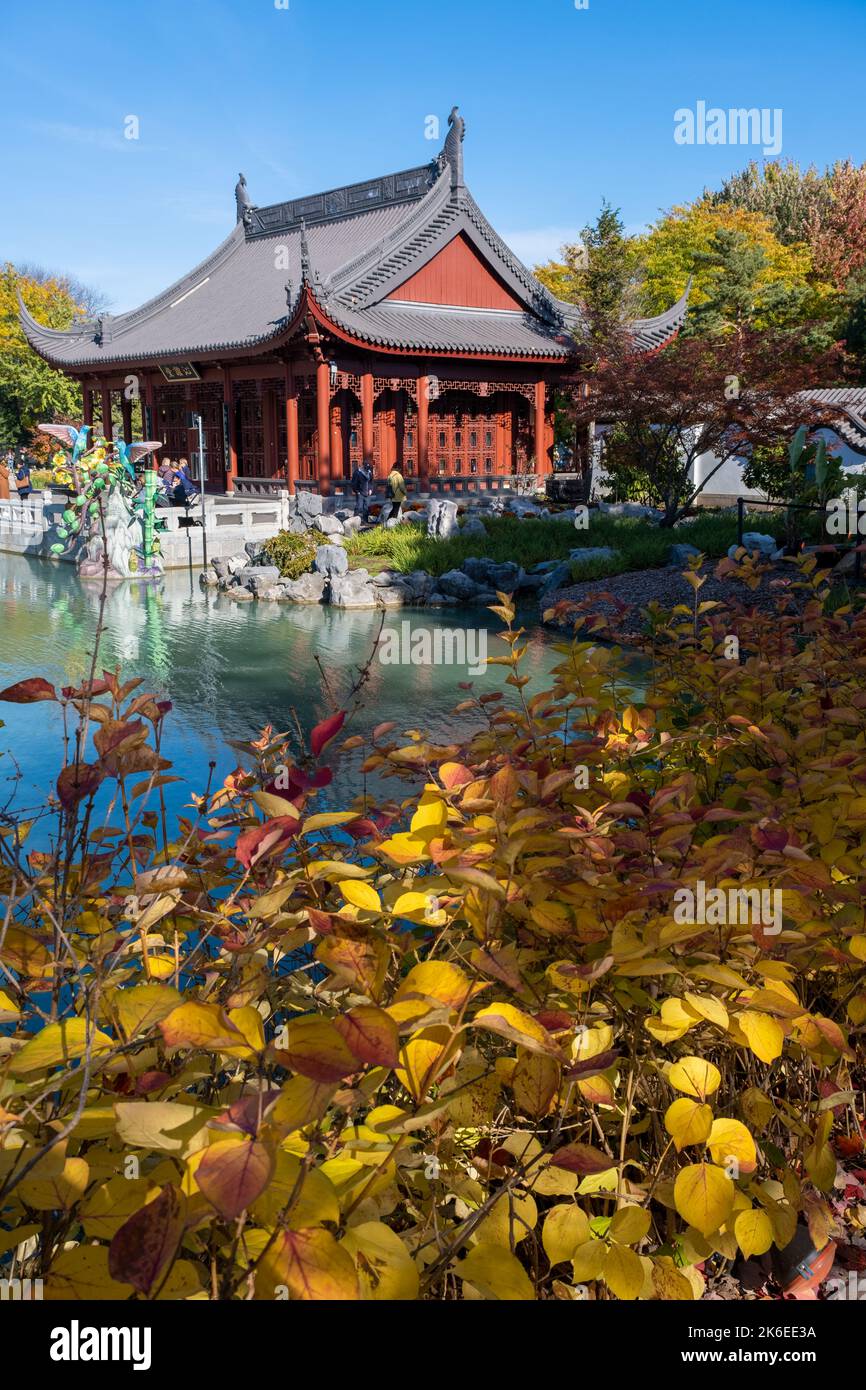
228	667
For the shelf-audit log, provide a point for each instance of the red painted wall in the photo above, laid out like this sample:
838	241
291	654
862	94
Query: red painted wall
457	275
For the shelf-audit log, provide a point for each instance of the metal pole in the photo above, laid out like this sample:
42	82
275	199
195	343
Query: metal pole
201	477
740	502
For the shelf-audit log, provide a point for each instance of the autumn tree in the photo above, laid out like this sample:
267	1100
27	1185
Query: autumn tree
30	390
710	243
793	200
724	395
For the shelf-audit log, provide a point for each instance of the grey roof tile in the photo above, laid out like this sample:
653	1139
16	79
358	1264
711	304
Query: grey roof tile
236	299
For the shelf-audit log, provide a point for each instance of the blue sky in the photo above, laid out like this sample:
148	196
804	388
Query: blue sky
563	107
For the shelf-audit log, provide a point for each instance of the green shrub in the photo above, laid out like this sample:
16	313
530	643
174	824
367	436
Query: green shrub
293	555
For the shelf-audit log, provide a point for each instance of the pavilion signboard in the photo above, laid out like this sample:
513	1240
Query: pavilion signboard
180	371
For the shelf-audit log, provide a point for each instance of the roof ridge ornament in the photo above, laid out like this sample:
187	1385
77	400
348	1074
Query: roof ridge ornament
243	202
453	148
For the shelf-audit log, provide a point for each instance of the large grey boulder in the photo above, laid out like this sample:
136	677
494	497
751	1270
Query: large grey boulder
442	521
473	526
328	525
681	553
756	540
237	562
593	552
633	509
309	588
351	524
392	595
353	590
557	578
330	559
256	578
458	585
308	506
492	575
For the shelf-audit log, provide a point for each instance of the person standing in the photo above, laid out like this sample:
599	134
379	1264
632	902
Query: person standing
395	491
22	478
7	468
362	486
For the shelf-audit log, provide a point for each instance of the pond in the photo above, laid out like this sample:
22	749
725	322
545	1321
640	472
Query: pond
229	668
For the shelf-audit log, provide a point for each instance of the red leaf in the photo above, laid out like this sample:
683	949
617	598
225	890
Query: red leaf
583	1159
371	1034
77	781
591	1066
324	732
254	844
232	1176
27	692
146	1242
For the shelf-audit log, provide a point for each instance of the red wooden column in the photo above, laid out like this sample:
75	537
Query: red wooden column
542	463
424	433
323	427
231	460
292	445
107	431
338	414
367	416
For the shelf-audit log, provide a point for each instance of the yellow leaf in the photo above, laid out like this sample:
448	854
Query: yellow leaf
669	1283
360	895
437	980
386	1270
566	1226
765	1036
695	1077
708	1007
58	1193
404	849
688	1122
57	1045
704	1196
206	1026
141	1007
629	1226
166	1125
754	1232
496	1273
588	1260
518	1027
430	819
82	1274
622	1272
729	1139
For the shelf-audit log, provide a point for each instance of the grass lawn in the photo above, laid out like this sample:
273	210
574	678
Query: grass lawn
528	542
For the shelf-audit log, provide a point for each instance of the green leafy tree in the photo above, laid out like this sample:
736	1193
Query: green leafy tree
30	390
601	273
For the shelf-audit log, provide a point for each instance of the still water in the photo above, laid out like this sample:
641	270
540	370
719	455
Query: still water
229	668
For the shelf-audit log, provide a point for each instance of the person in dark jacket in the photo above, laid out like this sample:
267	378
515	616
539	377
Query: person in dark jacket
362	486
22	478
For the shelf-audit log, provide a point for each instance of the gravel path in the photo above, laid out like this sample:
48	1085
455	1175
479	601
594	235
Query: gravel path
667	587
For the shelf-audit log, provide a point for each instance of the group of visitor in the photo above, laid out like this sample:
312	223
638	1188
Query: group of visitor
362	487
175	486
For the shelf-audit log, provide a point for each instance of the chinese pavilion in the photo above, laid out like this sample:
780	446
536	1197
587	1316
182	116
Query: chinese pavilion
385	320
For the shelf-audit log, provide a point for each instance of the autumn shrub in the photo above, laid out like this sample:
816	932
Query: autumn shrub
292	554
461	1043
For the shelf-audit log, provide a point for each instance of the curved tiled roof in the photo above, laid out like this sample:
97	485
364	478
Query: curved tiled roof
849	410
352	247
